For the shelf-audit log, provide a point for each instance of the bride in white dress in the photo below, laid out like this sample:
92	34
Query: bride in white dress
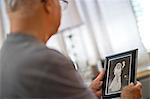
116	82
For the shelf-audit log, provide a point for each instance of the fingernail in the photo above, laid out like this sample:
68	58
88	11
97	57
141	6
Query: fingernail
131	83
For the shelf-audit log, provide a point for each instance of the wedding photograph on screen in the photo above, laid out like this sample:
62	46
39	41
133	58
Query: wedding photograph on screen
120	72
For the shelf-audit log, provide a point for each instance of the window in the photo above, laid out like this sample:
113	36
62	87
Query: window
141	10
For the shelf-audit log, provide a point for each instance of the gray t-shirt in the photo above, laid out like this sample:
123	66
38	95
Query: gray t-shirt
31	70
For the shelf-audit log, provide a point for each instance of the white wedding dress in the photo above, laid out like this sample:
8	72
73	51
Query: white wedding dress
116	82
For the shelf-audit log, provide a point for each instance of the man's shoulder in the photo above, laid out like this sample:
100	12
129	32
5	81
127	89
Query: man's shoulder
49	56
56	57
47	53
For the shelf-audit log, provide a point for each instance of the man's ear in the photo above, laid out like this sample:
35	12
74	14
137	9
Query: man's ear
47	5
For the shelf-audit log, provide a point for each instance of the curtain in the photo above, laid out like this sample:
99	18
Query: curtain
141	10
114	27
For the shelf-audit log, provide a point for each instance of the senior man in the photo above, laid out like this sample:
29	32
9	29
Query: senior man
31	70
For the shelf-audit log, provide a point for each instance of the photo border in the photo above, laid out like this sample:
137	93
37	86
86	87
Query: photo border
108	71
132	76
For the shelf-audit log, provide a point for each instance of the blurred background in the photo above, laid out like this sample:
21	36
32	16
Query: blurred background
94	29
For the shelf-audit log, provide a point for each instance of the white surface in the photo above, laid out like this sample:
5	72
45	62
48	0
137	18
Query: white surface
70	17
122	29
143	68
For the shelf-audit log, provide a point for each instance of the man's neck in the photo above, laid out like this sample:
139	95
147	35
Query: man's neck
30	33
28	26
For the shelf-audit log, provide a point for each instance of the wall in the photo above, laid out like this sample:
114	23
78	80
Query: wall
121	27
1	32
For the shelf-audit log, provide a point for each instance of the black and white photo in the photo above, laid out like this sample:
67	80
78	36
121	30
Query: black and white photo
120	72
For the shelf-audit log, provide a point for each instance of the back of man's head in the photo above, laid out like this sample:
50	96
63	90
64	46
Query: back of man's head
21	6
36	16
14	5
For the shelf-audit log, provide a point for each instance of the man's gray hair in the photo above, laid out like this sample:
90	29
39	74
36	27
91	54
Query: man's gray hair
10	4
13	5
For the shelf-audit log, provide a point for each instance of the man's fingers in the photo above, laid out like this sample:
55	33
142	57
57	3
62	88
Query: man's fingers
96	85
138	85
99	93
131	84
101	75
132	91
100	85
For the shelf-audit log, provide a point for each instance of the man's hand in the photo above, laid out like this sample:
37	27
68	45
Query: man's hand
132	91
96	85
